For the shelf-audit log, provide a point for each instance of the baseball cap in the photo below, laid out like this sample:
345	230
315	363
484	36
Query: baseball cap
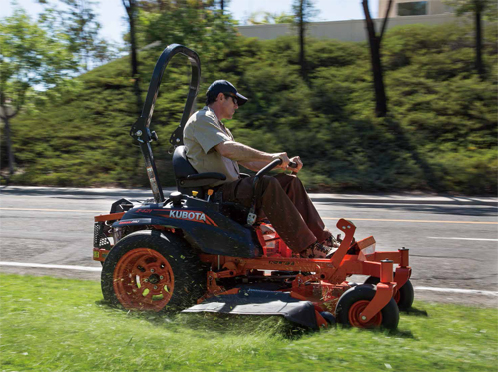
224	86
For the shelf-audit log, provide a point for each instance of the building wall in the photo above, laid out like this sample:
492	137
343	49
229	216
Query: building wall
434	7
353	30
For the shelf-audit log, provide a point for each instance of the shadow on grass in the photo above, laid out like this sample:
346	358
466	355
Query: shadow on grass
401	333
415	312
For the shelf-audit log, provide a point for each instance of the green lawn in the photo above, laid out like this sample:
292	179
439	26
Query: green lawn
50	324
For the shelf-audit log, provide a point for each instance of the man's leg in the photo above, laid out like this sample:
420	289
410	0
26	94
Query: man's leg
279	209
296	192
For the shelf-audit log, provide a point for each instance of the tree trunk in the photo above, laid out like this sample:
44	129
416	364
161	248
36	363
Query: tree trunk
134	59
302	30
131	10
380	92
374	42
8	139
478	25
222	4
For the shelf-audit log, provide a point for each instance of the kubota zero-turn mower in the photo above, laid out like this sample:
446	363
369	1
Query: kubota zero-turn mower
192	253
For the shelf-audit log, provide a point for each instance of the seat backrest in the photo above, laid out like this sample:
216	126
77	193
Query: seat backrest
181	165
183	168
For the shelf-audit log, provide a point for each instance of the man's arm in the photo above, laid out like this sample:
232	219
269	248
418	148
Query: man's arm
253	165
247	155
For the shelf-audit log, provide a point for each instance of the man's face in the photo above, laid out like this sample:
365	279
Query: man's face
229	105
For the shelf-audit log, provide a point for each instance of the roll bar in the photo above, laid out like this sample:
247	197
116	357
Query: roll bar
140	130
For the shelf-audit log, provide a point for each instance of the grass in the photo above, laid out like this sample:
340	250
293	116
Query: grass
50	324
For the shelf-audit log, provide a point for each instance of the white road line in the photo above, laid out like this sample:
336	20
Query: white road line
486	240
457	290
46	266
414	221
87	268
50	210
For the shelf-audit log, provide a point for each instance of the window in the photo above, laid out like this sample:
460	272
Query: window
412	9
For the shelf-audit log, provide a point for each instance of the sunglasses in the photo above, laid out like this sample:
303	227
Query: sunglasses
233	96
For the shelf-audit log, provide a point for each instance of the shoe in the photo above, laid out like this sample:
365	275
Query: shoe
318	250
331	242
336	242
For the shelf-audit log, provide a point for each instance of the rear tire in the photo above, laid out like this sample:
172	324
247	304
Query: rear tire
404	297
355	300
152	270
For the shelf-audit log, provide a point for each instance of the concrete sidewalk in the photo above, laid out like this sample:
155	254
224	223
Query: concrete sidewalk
402	198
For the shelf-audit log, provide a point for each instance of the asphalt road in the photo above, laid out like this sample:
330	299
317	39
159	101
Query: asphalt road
453	244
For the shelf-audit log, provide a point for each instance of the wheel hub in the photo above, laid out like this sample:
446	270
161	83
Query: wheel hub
357	319
144	280
154	279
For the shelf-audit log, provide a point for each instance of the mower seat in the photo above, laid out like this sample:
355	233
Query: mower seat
187	178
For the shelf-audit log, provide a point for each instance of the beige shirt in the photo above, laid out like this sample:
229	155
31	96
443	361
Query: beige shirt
202	133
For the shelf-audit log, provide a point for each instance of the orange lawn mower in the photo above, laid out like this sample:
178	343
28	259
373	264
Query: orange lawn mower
191	252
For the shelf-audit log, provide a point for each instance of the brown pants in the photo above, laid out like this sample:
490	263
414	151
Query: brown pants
285	203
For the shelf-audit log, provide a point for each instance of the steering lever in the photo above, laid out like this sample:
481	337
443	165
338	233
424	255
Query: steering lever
251	217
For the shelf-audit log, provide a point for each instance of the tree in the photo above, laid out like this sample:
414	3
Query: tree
131	10
78	21
303	12
481	9
269	18
29	57
374	41
82	28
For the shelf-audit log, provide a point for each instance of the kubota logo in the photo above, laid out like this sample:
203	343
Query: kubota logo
191	216
185	215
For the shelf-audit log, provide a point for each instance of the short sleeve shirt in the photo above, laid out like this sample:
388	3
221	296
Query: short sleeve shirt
202	133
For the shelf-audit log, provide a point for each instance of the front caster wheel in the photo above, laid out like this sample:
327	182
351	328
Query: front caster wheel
404	296
355	300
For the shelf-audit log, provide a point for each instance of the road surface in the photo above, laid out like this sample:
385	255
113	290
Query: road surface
453	243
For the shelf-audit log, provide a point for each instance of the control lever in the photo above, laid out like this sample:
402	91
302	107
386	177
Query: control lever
251	216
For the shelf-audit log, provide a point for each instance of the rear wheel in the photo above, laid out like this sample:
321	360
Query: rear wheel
354	301
404	296
150	270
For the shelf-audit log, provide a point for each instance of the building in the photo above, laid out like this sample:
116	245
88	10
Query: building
406	8
403	12
353	30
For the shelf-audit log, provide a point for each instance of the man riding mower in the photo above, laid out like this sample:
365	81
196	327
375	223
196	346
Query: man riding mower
208	246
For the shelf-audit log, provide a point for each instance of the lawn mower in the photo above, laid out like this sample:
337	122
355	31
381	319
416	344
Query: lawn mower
195	253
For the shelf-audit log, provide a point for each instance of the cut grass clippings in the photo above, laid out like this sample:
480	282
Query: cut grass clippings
50	324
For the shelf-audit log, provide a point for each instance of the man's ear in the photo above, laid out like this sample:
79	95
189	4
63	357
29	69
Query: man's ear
220	97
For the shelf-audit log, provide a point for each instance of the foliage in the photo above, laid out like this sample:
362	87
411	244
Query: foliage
29	56
261	18
78	21
489	7
58	325
440	135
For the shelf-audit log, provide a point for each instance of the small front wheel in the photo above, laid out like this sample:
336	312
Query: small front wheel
404	296
354	301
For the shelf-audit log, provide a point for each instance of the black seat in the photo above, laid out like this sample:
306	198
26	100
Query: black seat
187	178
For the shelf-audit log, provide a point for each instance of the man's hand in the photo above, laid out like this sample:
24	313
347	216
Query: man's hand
297	160
285	159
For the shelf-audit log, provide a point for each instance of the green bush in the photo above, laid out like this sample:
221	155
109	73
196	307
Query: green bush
440	134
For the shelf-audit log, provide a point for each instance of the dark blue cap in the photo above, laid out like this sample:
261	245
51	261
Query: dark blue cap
223	86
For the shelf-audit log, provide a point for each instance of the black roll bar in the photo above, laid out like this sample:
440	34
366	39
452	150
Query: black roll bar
140	130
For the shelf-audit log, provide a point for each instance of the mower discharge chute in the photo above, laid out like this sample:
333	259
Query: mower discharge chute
194	254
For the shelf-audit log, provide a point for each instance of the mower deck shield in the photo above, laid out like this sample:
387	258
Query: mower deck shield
259	302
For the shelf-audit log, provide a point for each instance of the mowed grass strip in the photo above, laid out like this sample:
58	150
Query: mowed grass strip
50	324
